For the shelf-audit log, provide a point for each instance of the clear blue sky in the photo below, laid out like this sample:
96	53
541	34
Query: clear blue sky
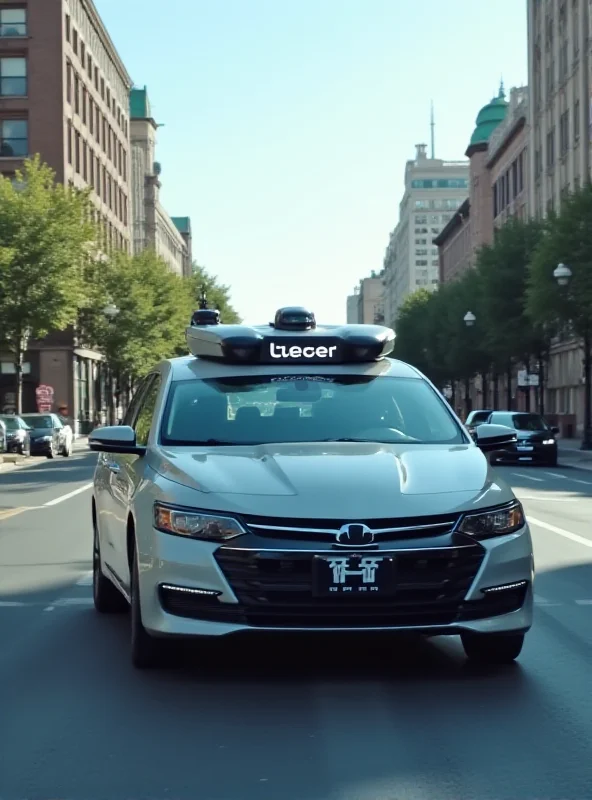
288	124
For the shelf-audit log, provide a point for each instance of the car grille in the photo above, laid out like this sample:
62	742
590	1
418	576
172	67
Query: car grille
274	589
325	530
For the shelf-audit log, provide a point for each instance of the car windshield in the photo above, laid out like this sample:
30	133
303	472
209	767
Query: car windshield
529	422
256	410
38	422
12	423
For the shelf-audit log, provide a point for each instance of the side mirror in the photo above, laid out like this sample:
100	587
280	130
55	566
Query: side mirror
115	439
554	429
493	437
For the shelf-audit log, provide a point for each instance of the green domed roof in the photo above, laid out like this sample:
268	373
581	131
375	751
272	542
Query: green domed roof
490	117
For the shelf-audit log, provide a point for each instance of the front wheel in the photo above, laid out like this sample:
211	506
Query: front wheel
66	450
492	648
107	599
51	452
146	651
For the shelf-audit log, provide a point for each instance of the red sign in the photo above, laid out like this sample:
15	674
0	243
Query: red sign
44	396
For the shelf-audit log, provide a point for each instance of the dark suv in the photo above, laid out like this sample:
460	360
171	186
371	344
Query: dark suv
536	439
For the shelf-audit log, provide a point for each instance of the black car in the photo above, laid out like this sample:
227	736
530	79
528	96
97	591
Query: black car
18	438
47	437
536	442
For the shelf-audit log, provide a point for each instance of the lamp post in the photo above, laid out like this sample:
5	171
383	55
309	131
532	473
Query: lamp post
111	312
469	319
203	299
562	274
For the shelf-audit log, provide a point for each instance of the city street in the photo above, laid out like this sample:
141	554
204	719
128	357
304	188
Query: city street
353	720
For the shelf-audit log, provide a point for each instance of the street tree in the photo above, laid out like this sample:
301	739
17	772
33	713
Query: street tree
411	334
568	240
510	334
45	238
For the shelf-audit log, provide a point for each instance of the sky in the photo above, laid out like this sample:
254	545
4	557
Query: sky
287	125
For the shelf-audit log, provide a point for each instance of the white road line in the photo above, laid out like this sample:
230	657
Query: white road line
49	608
528	477
73	601
559	531
557	475
544	497
11	604
85	580
584	602
69	495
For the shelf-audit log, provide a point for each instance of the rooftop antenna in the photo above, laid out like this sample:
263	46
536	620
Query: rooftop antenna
433	135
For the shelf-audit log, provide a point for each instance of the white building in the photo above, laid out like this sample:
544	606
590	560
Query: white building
152	226
434	190
366	304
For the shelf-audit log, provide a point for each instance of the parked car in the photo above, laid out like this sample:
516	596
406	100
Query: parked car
536	439
2	437
18	434
49	437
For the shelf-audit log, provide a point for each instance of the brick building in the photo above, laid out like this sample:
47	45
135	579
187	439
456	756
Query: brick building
64	93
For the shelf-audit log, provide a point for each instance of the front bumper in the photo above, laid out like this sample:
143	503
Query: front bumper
193	588
540	453
40	448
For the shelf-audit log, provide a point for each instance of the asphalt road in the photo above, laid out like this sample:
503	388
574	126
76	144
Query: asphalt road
284	721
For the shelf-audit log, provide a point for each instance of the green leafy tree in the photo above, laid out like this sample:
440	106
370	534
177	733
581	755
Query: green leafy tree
510	335
411	340
45	240
154	307
567	239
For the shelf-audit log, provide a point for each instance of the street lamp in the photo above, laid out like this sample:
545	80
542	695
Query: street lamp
562	274
469	319
203	300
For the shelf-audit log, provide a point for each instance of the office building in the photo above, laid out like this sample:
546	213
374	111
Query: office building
434	190
153	228
366	304
64	94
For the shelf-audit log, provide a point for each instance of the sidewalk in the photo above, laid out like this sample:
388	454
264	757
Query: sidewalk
570	453
12	461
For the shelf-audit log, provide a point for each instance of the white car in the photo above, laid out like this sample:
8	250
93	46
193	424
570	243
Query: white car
293	477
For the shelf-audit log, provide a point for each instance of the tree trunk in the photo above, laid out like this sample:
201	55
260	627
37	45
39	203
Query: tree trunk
541	397
467	398
509	388
484	389
587	440
495	391
18	372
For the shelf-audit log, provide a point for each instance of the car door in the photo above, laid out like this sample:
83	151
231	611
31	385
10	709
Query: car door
57	433
131	469
110	497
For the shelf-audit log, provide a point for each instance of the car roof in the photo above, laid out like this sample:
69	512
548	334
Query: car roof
190	367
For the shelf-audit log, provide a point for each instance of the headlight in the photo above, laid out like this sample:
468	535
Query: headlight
493	523
196	524
45	439
549	441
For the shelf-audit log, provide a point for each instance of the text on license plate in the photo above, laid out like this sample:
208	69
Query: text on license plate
524	448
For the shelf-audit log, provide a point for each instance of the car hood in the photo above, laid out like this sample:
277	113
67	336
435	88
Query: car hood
335	480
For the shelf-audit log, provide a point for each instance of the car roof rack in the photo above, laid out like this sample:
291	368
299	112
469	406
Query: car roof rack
294	337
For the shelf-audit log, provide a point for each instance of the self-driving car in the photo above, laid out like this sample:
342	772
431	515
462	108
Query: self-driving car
293	477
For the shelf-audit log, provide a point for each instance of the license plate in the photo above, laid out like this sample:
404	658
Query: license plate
523	448
353	575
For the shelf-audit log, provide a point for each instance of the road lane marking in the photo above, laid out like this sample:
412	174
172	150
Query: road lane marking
528	477
63	497
559	531
545	497
7	513
584	602
85	580
557	475
12	604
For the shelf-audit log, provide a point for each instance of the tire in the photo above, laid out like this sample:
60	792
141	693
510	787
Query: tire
66	452
147	652
107	599
51	453
492	648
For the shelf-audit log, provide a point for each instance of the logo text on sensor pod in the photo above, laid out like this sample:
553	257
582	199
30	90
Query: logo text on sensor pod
296	351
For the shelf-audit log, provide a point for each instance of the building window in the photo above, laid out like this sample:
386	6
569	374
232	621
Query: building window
84	104
551	148
77	94
13	22
82	54
91	114
564	133
68	28
13	77
69	142
576	120
75	41
89	66
14	138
